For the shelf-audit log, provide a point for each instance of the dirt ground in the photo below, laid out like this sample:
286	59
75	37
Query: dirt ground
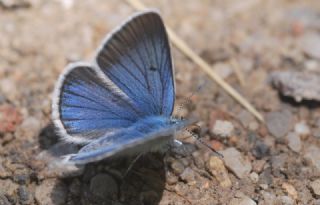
275	162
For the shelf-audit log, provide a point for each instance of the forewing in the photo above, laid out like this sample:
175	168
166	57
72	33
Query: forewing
137	58
86	106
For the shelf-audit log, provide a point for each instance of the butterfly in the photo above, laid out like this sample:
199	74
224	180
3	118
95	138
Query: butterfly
121	103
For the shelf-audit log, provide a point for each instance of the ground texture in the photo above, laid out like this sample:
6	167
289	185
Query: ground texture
269	51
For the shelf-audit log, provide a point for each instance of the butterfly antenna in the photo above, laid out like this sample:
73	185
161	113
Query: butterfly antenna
203	143
187	100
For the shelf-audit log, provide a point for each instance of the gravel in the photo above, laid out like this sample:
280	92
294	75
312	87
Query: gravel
223	128
279	123
294	142
98	186
312	155
51	191
235	162
216	167
315	187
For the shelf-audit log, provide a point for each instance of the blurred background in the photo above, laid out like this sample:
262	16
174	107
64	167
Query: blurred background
268	50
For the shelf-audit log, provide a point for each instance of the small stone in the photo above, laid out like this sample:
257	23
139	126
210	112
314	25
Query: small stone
51	191
265	177
198	159
312	155
29	128
260	150
290	190
171	178
241	199
236	163
284	200
245	118
75	187
8	88
104	186
258	165
301	129
149	197
310	44
4	200
10	118
223	128
24	195
254	177
8	188
315	187
216	167
223	70
188	176
253	126
269	198
294	142
279	123
177	167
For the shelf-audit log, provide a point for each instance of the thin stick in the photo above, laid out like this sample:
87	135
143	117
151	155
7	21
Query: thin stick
182	46
238	71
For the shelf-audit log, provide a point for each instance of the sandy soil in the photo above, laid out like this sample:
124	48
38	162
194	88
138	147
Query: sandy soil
276	162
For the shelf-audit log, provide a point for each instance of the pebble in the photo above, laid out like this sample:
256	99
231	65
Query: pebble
10	118
75	187
310	44
298	85
258	165
223	70
265	177
288	188
149	197
29	128
284	200
51	191
269	198
4	200
302	129
177	167
260	150
104	186
312	155
8	188
315	187
198	159
241	199
188	176
236	163
223	128
245	118
279	123
9	89
254	177
294	142
216	167
24	195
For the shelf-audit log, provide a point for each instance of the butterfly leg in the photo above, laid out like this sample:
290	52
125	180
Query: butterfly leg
131	165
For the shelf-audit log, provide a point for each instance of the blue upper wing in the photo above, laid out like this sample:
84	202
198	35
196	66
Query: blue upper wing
137	59
86	105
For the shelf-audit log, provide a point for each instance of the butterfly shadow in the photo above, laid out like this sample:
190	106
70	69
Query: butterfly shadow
104	182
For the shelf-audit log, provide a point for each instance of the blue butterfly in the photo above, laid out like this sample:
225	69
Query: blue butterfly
122	102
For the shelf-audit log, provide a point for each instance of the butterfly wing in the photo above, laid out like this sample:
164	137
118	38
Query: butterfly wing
86	105
137	58
127	141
